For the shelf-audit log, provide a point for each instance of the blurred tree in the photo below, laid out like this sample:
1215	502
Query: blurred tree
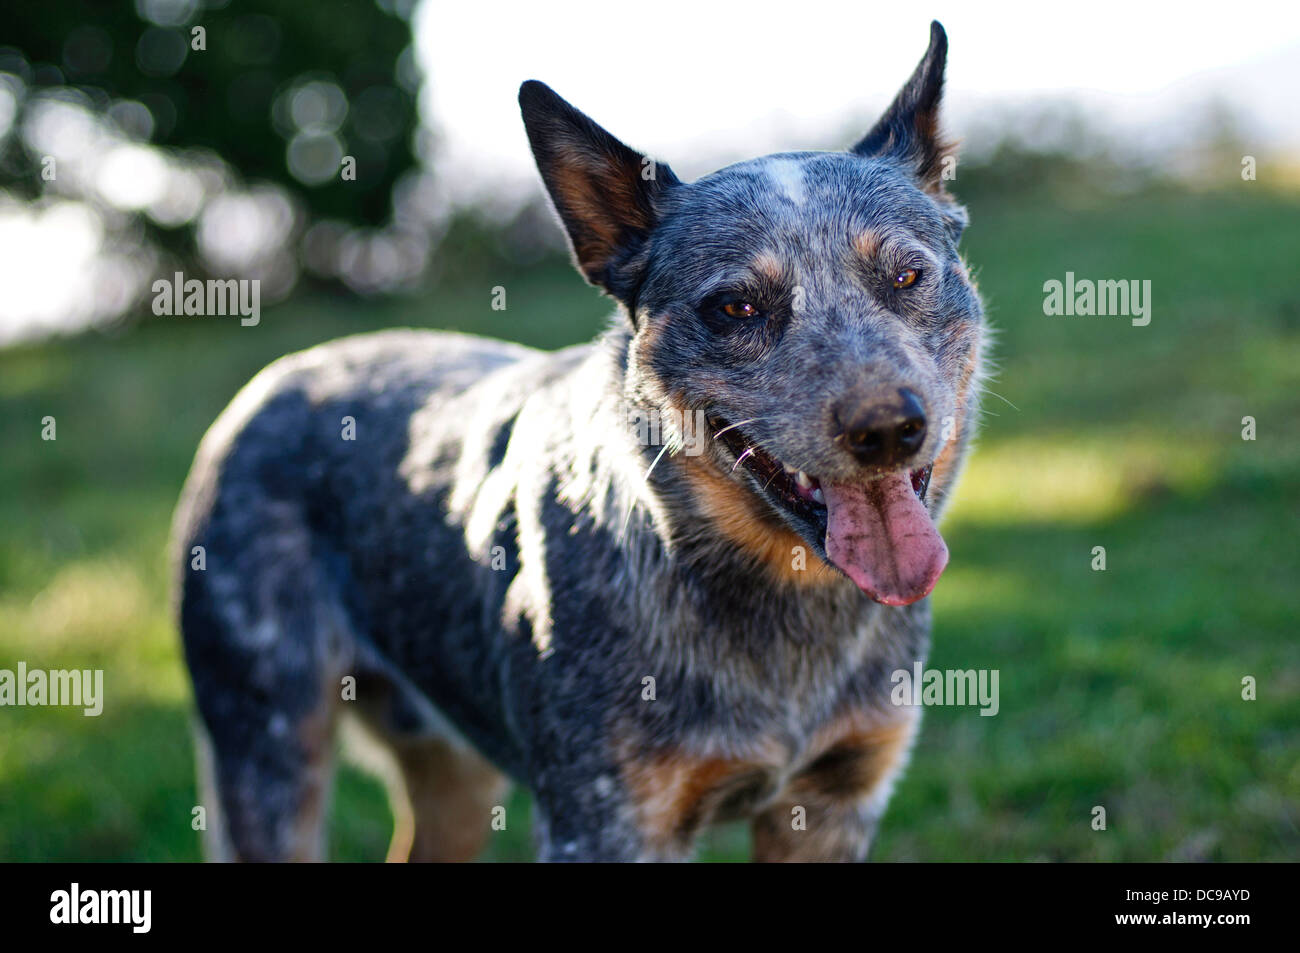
282	90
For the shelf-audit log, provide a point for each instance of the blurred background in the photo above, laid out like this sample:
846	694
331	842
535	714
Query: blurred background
364	160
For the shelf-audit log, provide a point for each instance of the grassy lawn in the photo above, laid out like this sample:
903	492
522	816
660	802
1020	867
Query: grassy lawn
1119	689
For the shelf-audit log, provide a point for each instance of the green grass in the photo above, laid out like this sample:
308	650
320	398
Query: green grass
1119	688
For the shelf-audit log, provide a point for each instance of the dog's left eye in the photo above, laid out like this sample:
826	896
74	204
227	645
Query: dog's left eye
906	278
740	309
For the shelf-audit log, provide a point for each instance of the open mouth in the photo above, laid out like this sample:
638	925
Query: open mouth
795	489
877	531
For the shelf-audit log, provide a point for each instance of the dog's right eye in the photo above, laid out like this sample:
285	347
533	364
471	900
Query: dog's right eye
739	309
906	278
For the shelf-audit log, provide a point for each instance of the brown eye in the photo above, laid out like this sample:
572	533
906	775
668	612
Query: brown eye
906	278
739	309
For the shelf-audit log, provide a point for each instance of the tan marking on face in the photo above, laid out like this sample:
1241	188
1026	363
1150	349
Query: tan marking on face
645	343
745	522
867	244
768	265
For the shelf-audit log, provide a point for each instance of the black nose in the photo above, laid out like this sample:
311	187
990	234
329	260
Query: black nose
884	433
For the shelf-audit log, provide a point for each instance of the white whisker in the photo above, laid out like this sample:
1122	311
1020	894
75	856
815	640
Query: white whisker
1001	398
734	426
637	495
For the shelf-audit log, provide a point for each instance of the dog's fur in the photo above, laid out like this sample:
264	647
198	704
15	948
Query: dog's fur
509	591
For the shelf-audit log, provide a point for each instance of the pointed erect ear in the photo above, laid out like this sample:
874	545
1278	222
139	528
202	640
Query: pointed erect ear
908	132
609	197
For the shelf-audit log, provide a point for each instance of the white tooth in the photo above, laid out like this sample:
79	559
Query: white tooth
804	481
818	496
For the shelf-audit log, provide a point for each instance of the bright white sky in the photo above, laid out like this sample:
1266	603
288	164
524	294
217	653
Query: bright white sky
697	82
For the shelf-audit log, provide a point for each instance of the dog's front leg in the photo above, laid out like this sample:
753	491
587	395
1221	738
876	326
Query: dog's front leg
575	826
816	831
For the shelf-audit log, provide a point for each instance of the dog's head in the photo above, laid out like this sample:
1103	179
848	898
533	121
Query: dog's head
811	307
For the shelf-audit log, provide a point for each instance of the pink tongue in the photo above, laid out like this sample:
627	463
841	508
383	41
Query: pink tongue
883	539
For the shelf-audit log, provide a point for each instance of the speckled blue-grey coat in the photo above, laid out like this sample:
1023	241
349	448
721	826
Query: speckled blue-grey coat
455	541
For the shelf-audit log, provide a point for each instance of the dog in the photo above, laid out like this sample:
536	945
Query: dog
662	579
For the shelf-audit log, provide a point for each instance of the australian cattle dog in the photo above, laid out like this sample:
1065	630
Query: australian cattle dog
661	580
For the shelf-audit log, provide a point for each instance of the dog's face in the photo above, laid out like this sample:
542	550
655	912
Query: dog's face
812	307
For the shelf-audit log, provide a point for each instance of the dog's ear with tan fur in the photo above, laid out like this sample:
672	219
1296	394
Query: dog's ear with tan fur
608	196
908	132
